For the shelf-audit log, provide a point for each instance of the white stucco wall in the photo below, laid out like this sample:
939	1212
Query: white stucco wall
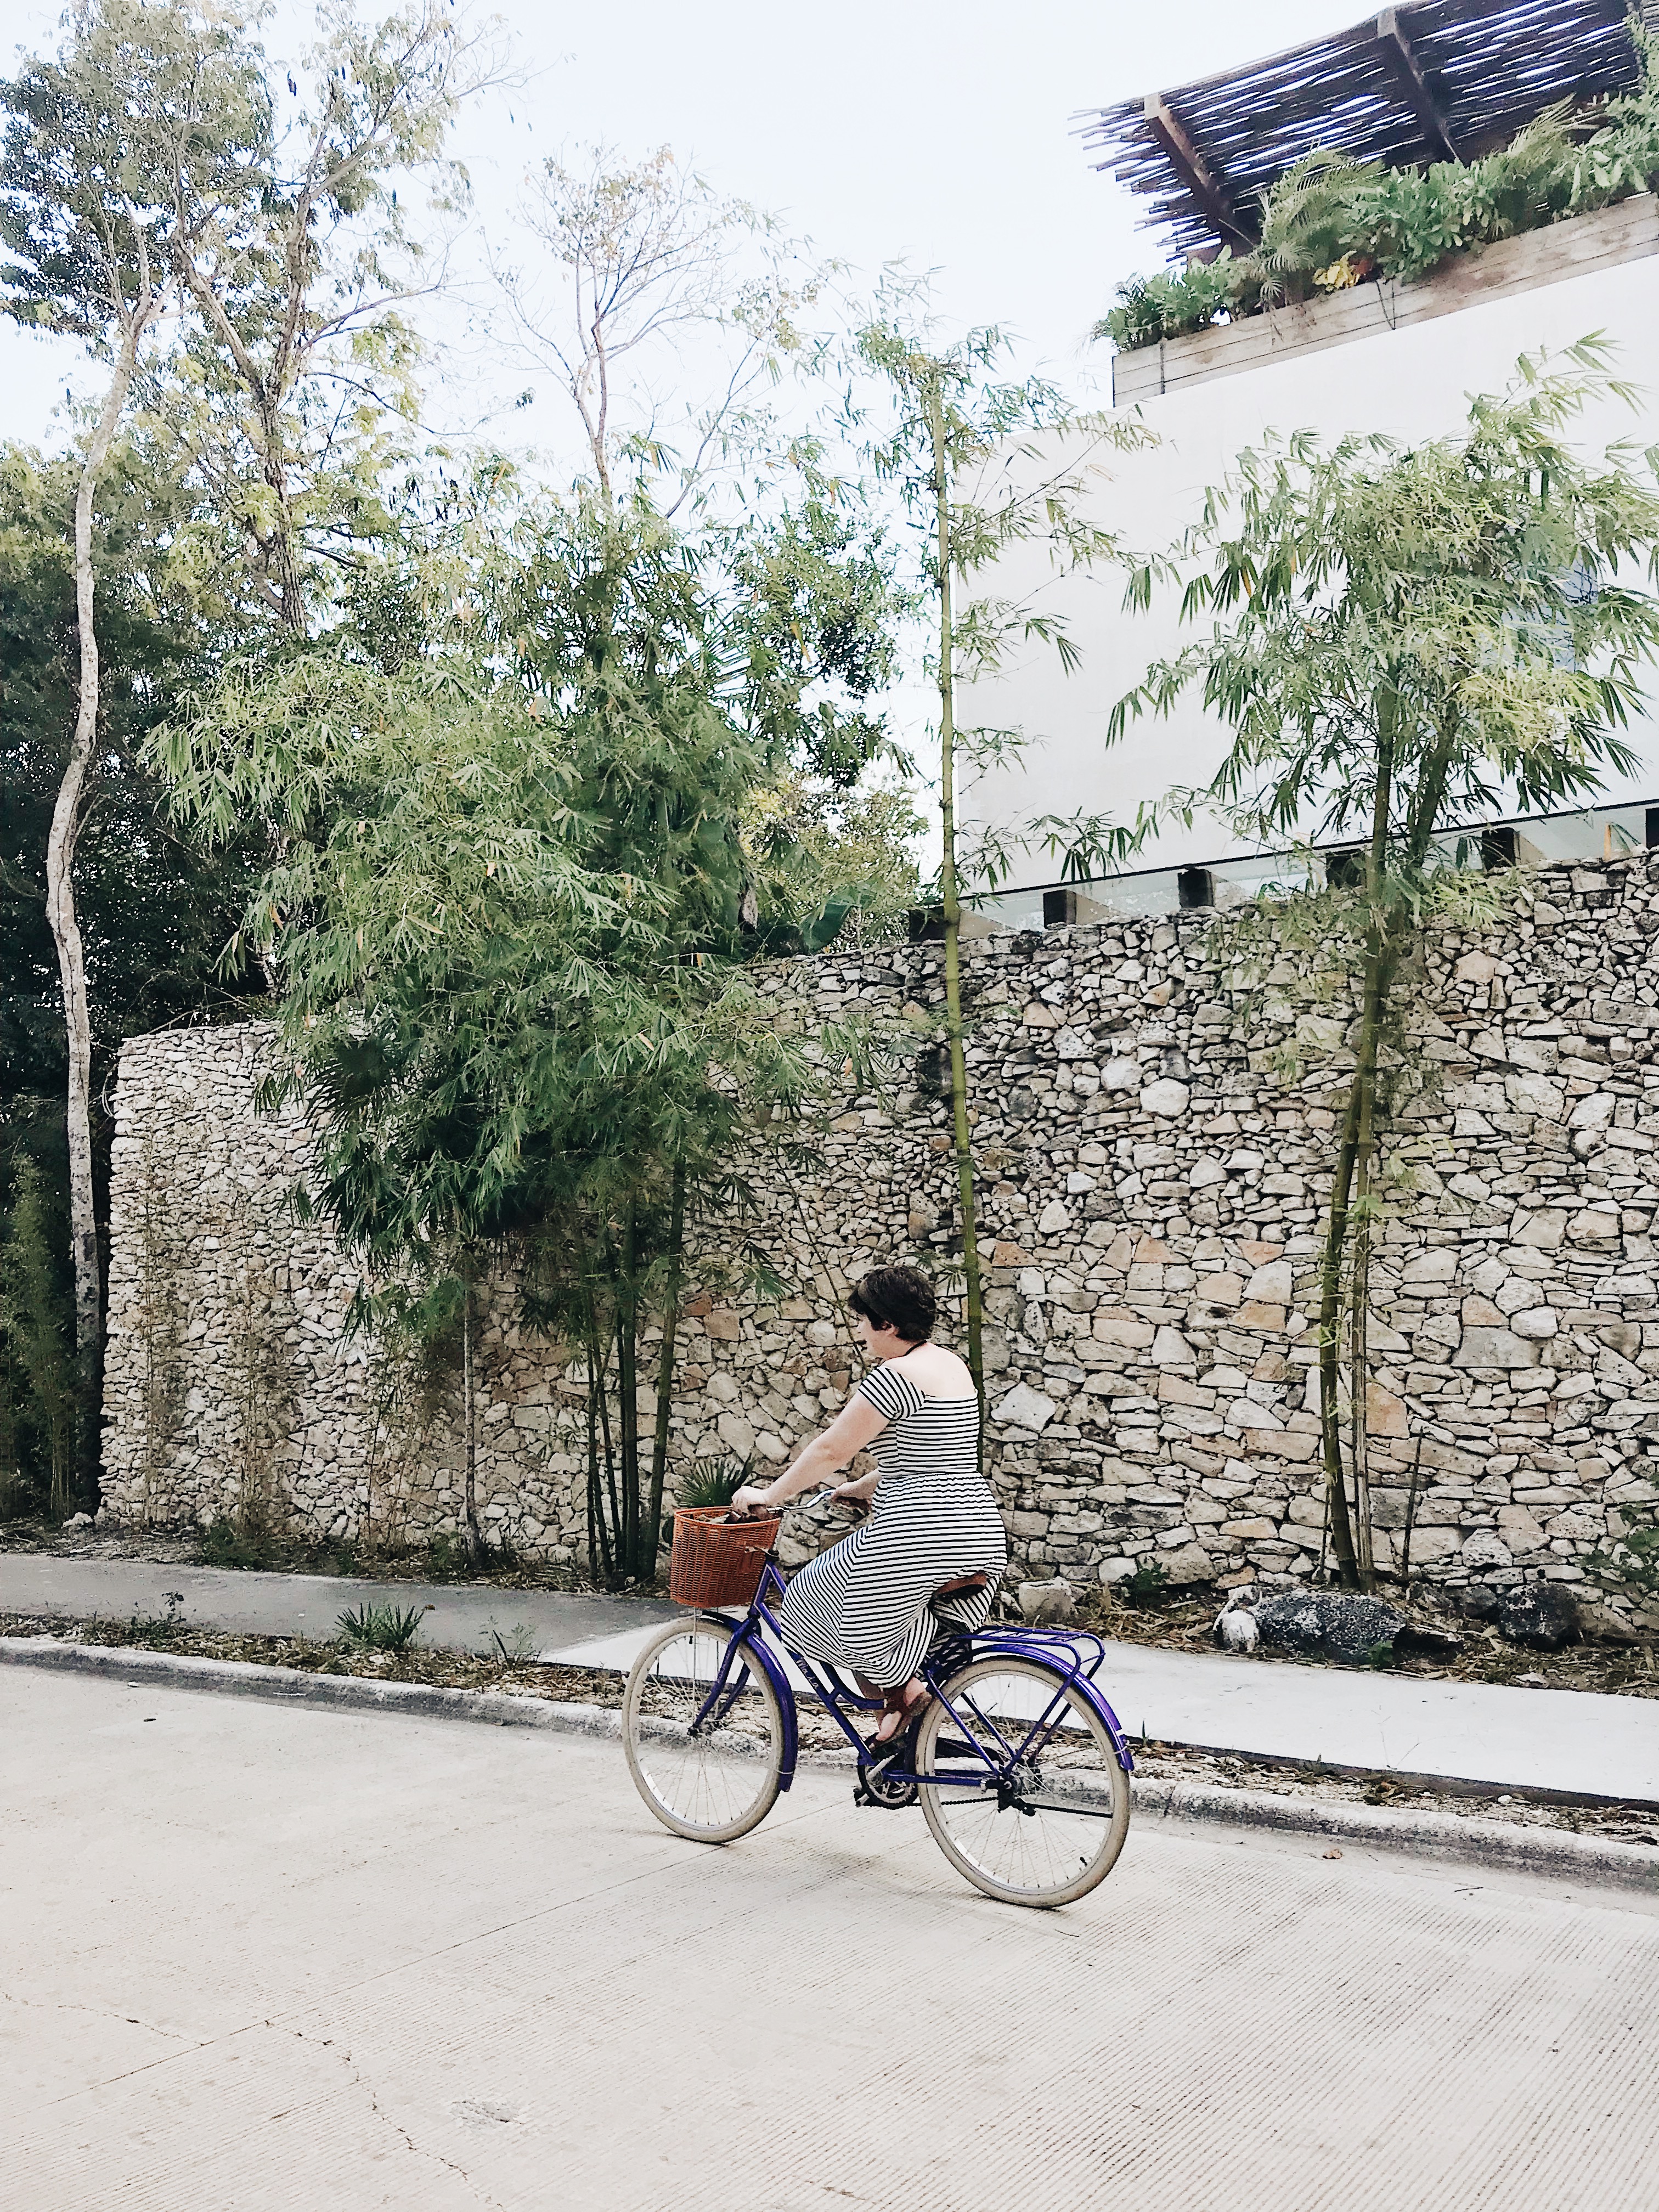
1411	383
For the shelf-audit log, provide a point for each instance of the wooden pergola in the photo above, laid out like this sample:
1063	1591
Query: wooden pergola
1443	82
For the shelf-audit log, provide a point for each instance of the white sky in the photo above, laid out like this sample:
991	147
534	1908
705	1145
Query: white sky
889	130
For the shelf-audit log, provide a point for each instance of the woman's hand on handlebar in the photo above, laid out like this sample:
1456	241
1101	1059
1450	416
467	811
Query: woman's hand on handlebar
852	1499
750	1498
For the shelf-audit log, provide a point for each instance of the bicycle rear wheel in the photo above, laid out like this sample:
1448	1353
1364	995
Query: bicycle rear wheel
1029	1802
710	1773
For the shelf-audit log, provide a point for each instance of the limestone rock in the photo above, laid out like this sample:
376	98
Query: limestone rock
1025	1408
1599	1624
1166	1098
1187	1563
1271	1284
1484	1549
1047	1605
1494	1347
1158	1334
1537	1322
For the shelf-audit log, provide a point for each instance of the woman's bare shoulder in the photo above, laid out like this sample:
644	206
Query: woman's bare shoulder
936	1372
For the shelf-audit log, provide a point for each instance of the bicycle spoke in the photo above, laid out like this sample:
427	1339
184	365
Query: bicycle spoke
1030	1802
705	1755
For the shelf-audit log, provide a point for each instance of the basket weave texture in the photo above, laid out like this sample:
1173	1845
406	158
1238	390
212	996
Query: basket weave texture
717	1560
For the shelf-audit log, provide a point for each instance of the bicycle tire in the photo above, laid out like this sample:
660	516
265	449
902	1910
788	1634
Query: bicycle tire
1062	1835
715	1788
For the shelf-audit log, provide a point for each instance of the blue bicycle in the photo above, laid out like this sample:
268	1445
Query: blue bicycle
1019	1764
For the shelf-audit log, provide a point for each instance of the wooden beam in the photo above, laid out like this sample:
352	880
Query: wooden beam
1208	191
1401	58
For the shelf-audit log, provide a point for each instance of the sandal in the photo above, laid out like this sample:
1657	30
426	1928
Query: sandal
901	1707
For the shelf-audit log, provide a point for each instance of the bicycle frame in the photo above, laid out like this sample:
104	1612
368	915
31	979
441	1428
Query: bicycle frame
1072	1657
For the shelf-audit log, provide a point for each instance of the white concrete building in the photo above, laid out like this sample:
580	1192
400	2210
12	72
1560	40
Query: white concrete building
1397	358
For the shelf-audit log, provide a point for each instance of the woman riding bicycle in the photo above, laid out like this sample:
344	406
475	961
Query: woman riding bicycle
933	1548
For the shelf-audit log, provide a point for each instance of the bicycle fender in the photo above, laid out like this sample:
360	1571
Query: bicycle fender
1109	1721
757	1655
1087	1689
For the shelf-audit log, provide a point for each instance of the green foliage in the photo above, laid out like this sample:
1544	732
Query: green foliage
715	1481
1329	222
508	913
829	863
147	113
1168	303
448	1560
1147	1586
158	1630
513	1647
39	1378
153	912
381	1627
1467	589
943	429
1631	1562
226	1543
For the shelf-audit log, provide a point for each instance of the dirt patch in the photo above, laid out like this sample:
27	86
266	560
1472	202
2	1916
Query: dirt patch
1617	1670
448	1670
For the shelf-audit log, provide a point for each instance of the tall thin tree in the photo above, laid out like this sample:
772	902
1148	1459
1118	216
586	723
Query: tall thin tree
134	92
981	466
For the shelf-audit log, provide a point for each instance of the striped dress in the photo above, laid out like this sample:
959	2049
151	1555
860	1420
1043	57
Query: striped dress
864	1603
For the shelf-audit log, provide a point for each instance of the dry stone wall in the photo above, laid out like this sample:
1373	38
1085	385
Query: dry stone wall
1152	1201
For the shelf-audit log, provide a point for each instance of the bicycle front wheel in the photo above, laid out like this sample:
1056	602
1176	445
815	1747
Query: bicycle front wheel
708	1766
1023	1790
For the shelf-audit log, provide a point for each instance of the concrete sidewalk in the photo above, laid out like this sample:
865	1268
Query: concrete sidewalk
258	1604
1571	1741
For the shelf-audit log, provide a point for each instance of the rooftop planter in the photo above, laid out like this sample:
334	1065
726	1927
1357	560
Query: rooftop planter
1628	231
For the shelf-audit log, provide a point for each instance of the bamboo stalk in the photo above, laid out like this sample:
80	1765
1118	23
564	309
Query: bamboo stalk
468	1418
973	1301
628	1401
671	1319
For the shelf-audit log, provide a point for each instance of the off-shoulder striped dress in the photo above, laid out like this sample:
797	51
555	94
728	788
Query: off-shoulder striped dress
864	1603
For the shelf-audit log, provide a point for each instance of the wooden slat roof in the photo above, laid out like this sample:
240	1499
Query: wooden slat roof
1410	85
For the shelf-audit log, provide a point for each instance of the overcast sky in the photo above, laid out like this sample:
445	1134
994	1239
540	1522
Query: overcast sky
890	131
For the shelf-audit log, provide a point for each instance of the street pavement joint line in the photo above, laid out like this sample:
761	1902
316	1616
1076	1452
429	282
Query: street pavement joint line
404	1966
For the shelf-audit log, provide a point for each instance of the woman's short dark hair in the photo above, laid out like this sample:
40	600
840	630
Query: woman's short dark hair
899	1298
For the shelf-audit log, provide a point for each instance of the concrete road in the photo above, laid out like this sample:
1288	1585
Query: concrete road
257	1957
258	1604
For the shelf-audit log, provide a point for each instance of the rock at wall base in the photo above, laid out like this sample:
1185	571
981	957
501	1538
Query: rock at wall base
1542	1616
1326	1624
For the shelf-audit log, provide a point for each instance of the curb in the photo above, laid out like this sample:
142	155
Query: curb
1495	1844
1439	1835
290	1685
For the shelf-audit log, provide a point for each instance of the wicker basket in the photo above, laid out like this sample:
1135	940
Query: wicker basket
717	1560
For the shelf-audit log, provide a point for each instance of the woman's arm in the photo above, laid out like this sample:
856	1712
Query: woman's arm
857	1425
